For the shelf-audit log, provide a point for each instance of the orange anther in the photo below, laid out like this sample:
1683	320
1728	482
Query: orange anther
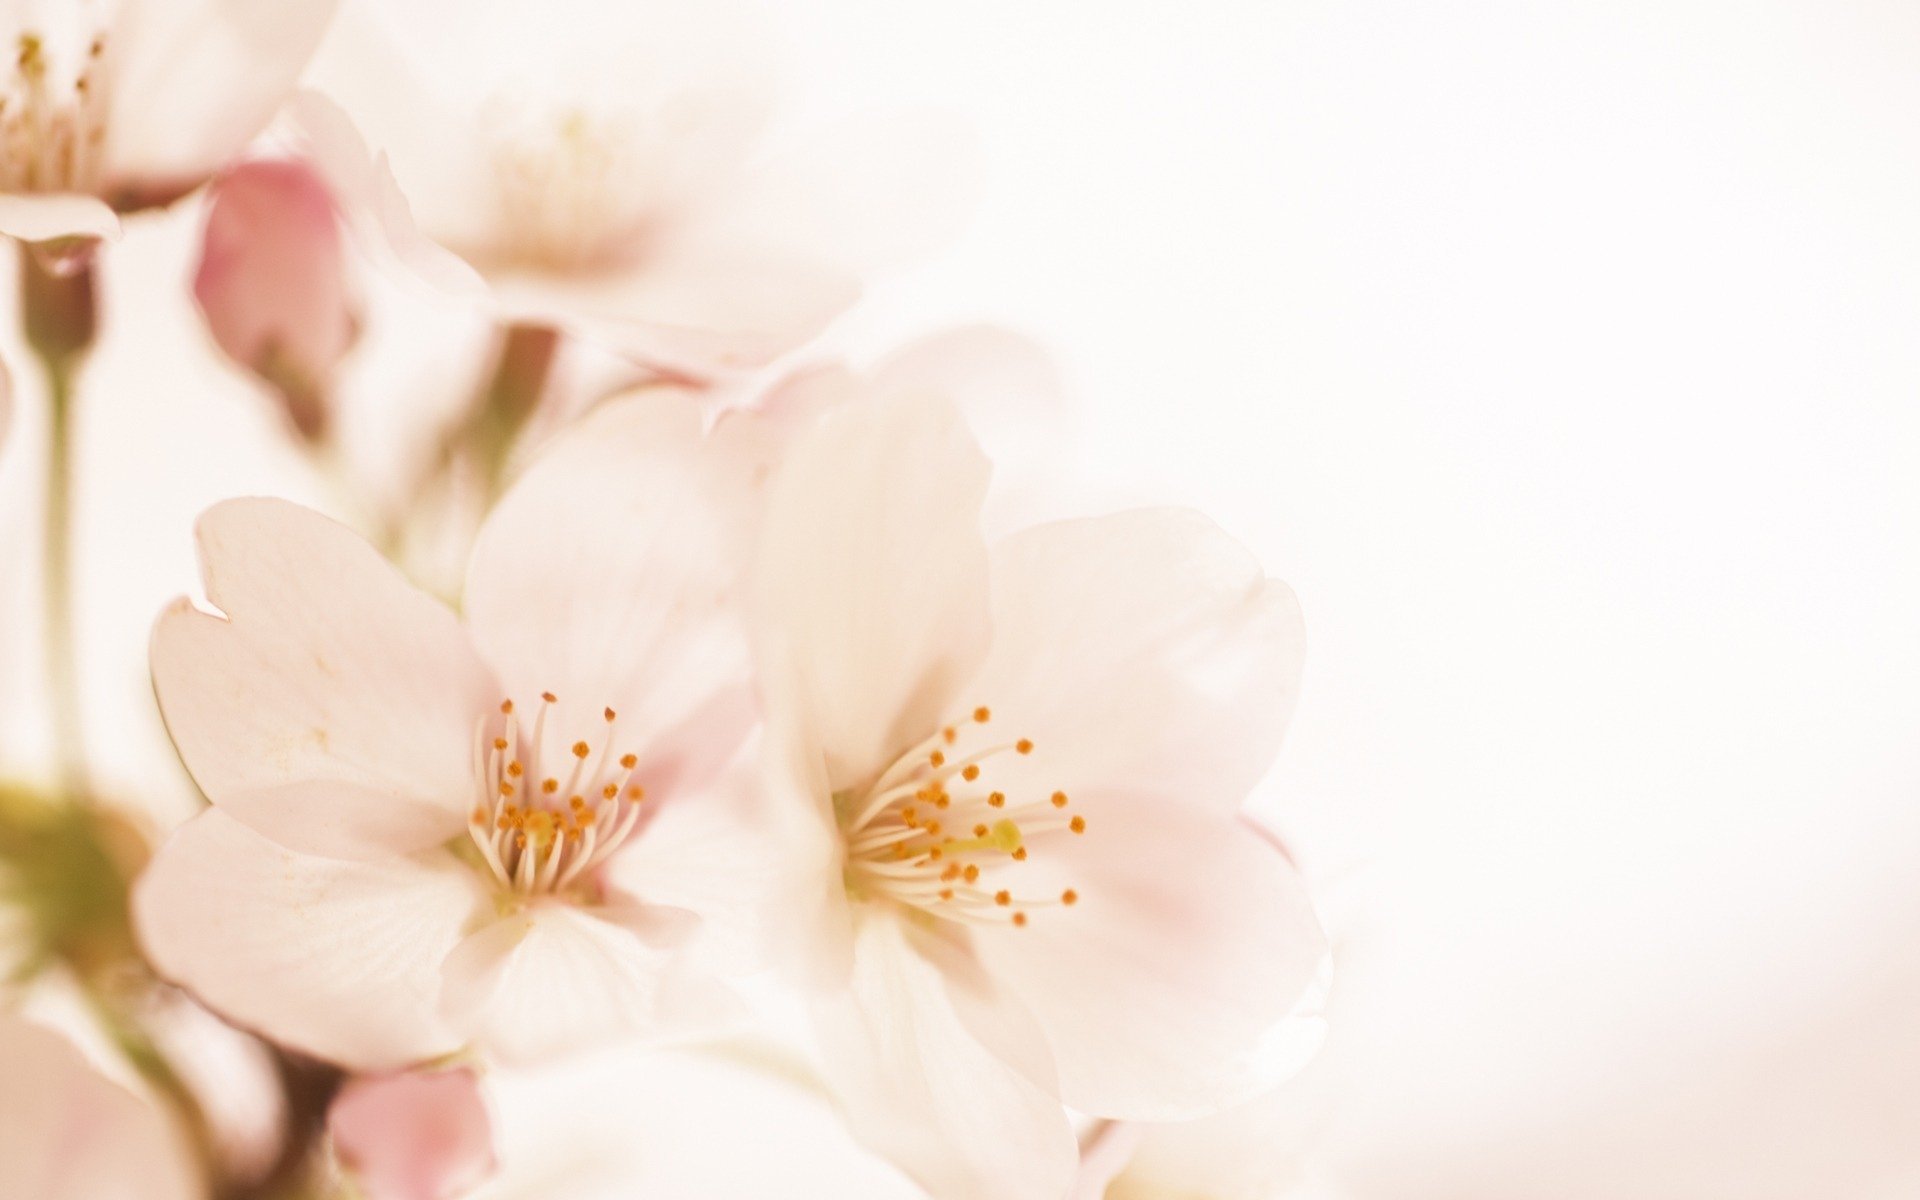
983	714
1069	896
979	831
506	789
581	750
1024	745
1059	799
1019	854
506	706
937	758
609	714
970	772
549	786
949	734
972	872
499	743
1019	918
1078	824
1003	898
610	791
515	769
549	697
636	793
629	761
998	799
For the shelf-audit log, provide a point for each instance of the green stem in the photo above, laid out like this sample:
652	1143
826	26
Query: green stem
58	313
512	395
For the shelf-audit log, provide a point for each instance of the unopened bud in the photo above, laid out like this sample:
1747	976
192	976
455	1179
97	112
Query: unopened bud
272	283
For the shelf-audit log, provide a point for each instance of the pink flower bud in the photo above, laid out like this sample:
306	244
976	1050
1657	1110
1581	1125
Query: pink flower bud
272	282
421	1135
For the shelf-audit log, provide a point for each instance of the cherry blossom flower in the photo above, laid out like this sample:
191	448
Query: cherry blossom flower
67	1132
272	283
599	169
414	816
116	106
1014	777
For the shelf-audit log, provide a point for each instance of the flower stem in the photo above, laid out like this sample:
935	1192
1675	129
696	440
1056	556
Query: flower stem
58	314
512	395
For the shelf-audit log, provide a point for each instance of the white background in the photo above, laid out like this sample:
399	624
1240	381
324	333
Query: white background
1565	359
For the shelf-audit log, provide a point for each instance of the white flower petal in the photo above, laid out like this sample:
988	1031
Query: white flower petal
555	978
610	576
1169	989
333	707
902	1049
872	590
1145	653
696	301
44	216
339	959
194	80
628	1123
69	1133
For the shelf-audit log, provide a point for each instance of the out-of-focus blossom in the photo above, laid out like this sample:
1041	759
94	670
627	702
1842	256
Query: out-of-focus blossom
412	814
594	167
419	1135
121	105
272	283
715	1125
67	1132
1016	777
1265	1149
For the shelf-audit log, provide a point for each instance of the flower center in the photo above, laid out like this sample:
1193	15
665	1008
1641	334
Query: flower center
570	194
545	815
52	119
933	834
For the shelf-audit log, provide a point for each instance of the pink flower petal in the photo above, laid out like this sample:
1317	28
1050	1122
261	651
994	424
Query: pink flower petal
333	707
423	1135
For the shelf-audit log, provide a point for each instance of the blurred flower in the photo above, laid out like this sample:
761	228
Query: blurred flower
595	168
1017	778
272	283
412	815
733	1121
67	1132
420	1135
119	106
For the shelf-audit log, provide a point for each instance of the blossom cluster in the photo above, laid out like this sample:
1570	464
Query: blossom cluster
664	755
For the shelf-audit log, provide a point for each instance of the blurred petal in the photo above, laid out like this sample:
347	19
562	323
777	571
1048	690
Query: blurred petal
333	707
339	959
634	1124
1167	990
69	1133
46	216
555	978
697	301
1146	654
422	1135
610	574
195	80
902	1048
872	595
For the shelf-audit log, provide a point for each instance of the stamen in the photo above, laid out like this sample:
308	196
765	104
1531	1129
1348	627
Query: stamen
896	851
